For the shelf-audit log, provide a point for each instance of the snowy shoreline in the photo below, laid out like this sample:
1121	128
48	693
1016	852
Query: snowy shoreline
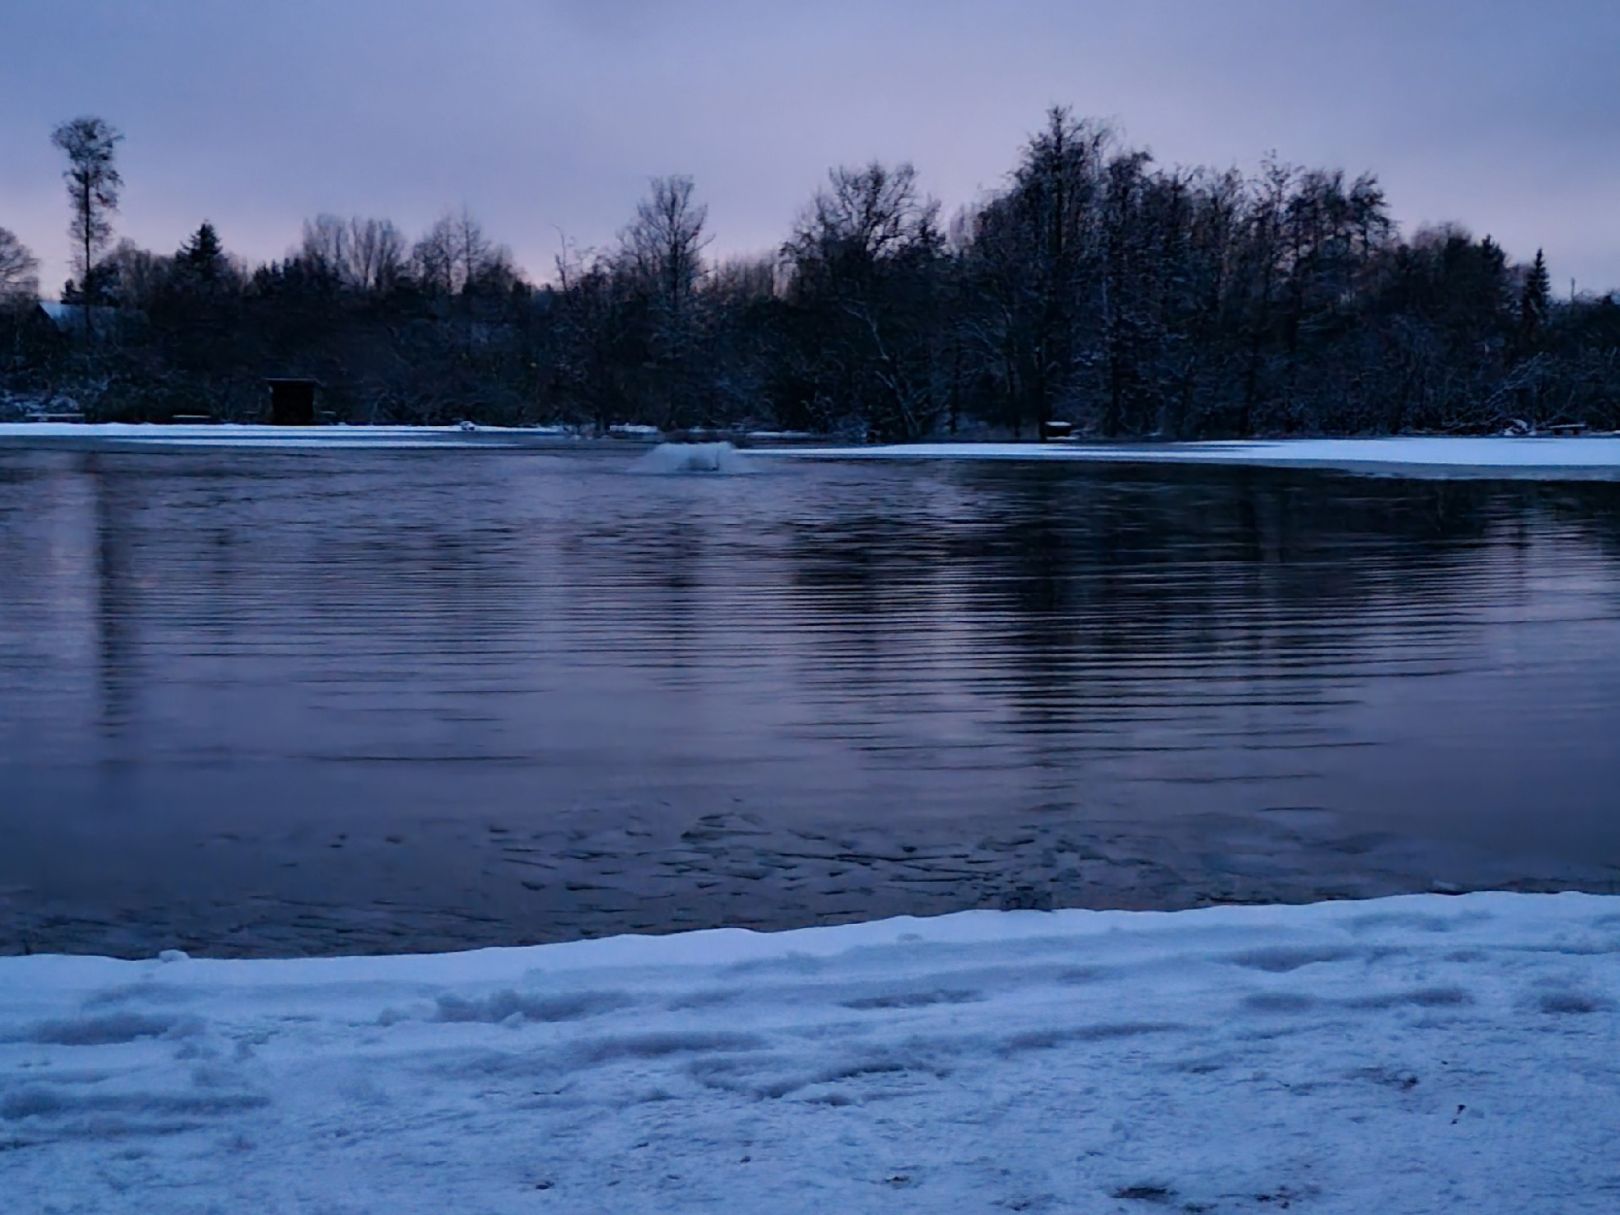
1547	458
233	434
1561	458
1409	1054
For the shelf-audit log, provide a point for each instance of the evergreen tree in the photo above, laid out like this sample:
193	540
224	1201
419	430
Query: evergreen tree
201	260
1535	299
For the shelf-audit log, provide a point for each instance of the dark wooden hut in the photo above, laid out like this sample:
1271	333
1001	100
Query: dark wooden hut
292	400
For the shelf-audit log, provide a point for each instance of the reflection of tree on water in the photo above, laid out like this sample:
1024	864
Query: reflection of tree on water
670	558
1589	510
1118	610
117	599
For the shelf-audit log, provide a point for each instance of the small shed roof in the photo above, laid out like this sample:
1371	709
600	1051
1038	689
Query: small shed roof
70	317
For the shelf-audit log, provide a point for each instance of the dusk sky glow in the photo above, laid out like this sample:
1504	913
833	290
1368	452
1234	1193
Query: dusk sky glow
548	117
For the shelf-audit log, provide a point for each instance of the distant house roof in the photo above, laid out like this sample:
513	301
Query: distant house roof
69	318
59	313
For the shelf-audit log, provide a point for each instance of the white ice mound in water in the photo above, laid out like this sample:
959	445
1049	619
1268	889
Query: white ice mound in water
693	458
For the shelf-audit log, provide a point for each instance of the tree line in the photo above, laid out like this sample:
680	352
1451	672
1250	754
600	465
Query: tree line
1095	287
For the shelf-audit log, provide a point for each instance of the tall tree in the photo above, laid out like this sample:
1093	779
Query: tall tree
1037	265
93	181
324	249
471	250
661	252
200	262
456	257
1535	298
665	241
376	255
864	262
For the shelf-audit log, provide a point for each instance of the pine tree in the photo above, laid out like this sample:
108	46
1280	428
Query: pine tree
1534	301
201	260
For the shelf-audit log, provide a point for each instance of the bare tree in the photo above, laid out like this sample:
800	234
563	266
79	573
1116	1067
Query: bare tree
1054	208
434	258
472	249
660	257
376	254
93	182
864	258
17	267
455	256
141	274
325	245
362	255
664	245
862	217
744	279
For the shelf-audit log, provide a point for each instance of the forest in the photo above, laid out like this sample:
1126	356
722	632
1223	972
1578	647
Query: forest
1094	287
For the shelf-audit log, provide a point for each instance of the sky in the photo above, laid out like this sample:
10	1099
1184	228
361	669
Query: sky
547	117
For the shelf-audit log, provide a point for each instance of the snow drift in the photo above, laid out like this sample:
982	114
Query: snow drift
1403	1055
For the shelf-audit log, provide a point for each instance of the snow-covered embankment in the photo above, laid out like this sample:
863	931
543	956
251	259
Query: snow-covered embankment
1411	1054
1565	458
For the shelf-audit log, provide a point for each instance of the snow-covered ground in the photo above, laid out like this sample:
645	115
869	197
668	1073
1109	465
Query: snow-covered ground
1560	458
1413	1054
234	435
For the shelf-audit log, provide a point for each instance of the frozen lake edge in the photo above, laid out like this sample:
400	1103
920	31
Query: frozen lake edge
1553	458
1556	458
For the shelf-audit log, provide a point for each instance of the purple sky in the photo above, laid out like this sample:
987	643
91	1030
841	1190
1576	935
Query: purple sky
547	117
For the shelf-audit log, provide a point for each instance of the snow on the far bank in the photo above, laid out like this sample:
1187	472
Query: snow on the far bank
228	434
1562	457
1415	1054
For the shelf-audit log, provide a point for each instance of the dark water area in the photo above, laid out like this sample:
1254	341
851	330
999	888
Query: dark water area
263	702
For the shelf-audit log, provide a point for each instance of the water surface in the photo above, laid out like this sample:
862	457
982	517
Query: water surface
317	701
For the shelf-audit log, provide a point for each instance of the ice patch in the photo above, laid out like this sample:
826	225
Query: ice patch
673	458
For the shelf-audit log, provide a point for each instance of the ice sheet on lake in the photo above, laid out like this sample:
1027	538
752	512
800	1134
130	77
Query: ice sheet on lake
1553	458
1413	1054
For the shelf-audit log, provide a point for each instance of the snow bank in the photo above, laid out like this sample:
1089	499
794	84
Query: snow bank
1553	458
233	435
1548	458
1415	1054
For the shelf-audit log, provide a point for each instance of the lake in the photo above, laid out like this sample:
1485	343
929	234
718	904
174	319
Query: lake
261	702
